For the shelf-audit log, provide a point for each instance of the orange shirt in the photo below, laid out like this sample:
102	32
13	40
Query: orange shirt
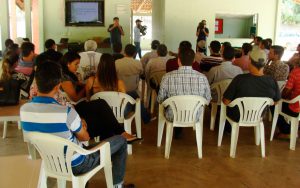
293	83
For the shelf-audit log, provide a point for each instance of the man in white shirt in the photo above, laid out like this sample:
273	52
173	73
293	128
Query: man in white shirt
226	70
89	60
137	37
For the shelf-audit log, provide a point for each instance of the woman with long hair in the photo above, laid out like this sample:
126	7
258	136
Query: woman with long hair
106	78
98	113
71	85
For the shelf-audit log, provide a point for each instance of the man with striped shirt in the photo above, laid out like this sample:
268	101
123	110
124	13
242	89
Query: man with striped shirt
45	114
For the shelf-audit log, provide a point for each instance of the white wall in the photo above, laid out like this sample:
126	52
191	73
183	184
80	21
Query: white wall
54	21
4	23
182	18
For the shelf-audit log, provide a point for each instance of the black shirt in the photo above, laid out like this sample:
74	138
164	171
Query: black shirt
115	34
202	35
248	85
49	55
117	56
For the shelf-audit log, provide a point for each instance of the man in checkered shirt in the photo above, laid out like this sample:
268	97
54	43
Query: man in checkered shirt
184	81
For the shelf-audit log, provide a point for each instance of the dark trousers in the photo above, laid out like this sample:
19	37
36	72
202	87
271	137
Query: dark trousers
100	119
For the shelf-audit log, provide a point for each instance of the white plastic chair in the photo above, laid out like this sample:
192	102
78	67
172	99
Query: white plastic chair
56	160
281	85
294	121
251	109
117	101
185	108
220	88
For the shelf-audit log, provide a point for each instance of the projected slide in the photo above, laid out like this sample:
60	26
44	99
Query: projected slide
84	12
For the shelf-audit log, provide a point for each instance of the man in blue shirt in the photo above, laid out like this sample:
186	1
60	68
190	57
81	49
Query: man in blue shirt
116	31
45	114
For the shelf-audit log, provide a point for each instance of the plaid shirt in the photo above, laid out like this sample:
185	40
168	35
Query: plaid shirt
184	81
277	70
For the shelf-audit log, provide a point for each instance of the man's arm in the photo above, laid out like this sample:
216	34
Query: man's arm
110	28
83	135
286	93
162	94
121	30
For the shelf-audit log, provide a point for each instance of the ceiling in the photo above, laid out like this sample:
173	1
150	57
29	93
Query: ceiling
141	6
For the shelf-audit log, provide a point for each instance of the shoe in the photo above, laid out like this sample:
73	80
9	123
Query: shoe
131	141
128	185
281	136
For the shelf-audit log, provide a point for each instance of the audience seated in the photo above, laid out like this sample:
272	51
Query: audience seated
264	45
26	62
8	43
106	78
253	84
214	59
257	41
184	81
50	53
226	70
173	64
129	71
71	85
89	60
157	66
117	48
277	69
149	55
224	44
10	81
291	90
244	61
68	125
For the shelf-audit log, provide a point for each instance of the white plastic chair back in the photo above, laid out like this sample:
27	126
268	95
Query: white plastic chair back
57	152
185	109
117	101
251	109
220	87
281	85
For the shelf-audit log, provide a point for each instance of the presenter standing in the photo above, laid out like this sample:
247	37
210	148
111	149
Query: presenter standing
116	31
137	37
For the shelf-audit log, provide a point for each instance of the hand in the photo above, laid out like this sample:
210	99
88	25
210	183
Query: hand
84	125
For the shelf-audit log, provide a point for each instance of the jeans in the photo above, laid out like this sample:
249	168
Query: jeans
144	114
138	49
118	149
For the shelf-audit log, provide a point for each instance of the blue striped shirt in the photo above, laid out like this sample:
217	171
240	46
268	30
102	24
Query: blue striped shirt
45	114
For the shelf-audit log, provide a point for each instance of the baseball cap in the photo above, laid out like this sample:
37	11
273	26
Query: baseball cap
138	20
258	55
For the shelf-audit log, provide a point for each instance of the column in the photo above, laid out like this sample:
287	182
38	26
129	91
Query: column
4	22
27	5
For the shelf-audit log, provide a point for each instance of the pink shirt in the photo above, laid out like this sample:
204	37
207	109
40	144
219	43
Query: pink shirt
243	62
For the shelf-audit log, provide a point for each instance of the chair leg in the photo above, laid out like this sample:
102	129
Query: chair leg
294	133
262	139
129	149
275	118
270	116
153	101
257	135
161	125
61	183
137	119
169	137
19	125
199	137
213	115
42	183
221	124
108	171
234	139
4	129
127	126
32	151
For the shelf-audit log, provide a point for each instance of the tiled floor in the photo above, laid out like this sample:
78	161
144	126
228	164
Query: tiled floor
147	167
